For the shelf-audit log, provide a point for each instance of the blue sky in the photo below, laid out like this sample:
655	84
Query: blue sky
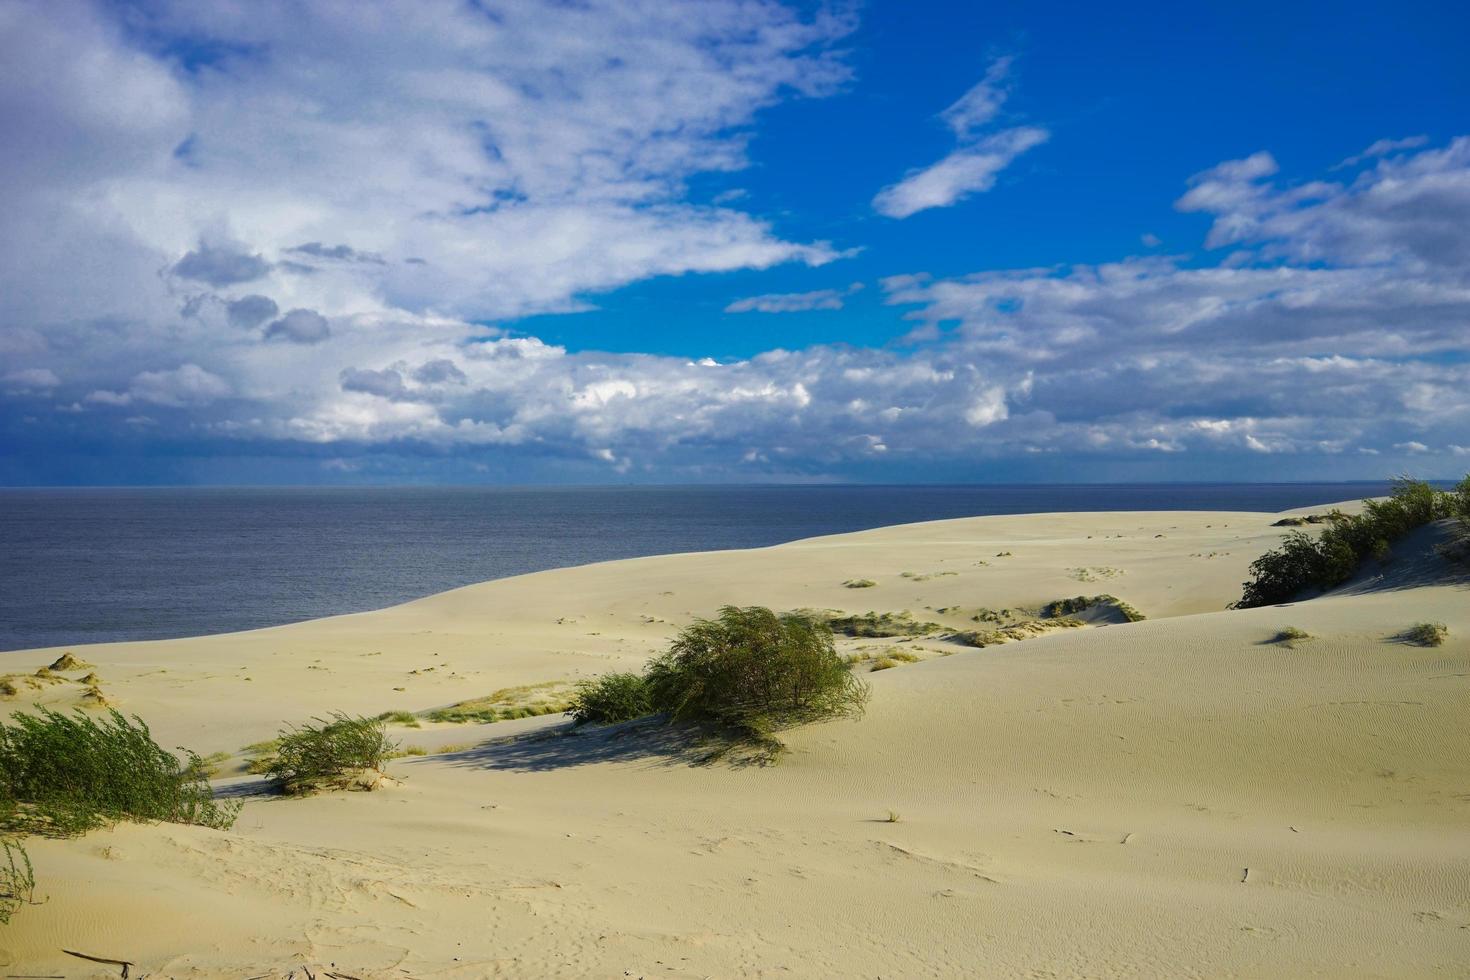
632	241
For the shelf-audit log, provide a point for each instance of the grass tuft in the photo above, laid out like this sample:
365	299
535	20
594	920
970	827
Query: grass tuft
859	583
1082	603
1292	637
1426	634
405	718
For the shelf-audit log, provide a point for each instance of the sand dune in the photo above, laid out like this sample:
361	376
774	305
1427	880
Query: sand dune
1175	797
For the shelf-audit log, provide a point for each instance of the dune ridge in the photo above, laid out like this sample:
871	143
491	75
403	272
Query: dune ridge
1180	796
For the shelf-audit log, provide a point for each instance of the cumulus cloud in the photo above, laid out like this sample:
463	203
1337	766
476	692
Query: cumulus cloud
820	299
973	167
31	380
522	170
300	327
251	311
221	265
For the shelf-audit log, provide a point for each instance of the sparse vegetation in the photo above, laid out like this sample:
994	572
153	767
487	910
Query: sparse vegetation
68	661
872	624
611	698
62	775
1024	630
1082	603
17	880
1303	562
1292	637
859	583
525	701
331	753
882	663
893	817
405	718
1426	634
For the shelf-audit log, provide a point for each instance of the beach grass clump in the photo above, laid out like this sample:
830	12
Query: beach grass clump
330	753
873	624
69	661
753	672
405	718
611	698
1323	562
1292	637
859	583
1078	604
62	775
1426	634
508	703
882	663
1024	630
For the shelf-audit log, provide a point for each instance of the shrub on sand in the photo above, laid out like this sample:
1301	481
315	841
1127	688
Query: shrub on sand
63	775
609	699
330	754
754	672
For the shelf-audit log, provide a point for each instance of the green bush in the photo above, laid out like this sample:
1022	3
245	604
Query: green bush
610	698
1303	562
327	753
66	774
754	671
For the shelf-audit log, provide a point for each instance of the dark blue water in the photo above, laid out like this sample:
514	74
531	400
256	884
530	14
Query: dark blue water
86	566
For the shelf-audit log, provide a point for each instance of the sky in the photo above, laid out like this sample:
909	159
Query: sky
464	241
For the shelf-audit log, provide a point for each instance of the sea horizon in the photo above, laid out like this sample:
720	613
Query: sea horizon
113	563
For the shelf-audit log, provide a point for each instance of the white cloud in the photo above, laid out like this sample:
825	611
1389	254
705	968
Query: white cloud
964	172
31	380
1382	148
982	103
973	167
820	299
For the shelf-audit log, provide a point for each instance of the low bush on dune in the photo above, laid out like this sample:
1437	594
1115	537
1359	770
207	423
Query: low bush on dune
1082	603
62	775
610	699
330	754
1291	637
1330	559
748	673
754	671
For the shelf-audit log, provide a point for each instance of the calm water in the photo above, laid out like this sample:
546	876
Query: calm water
86	566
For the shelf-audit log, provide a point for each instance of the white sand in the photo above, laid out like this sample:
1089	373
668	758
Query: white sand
1081	804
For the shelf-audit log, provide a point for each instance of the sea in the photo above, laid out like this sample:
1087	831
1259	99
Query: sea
102	564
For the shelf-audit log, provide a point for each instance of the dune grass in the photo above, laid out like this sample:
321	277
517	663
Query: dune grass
1292	637
872	624
859	583
525	701
405	718
62	775
1024	630
1425	634
1077	604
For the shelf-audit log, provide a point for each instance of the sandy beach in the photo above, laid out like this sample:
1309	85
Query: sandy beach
1178	797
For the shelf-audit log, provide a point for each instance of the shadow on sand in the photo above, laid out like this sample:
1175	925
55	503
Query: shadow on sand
651	742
